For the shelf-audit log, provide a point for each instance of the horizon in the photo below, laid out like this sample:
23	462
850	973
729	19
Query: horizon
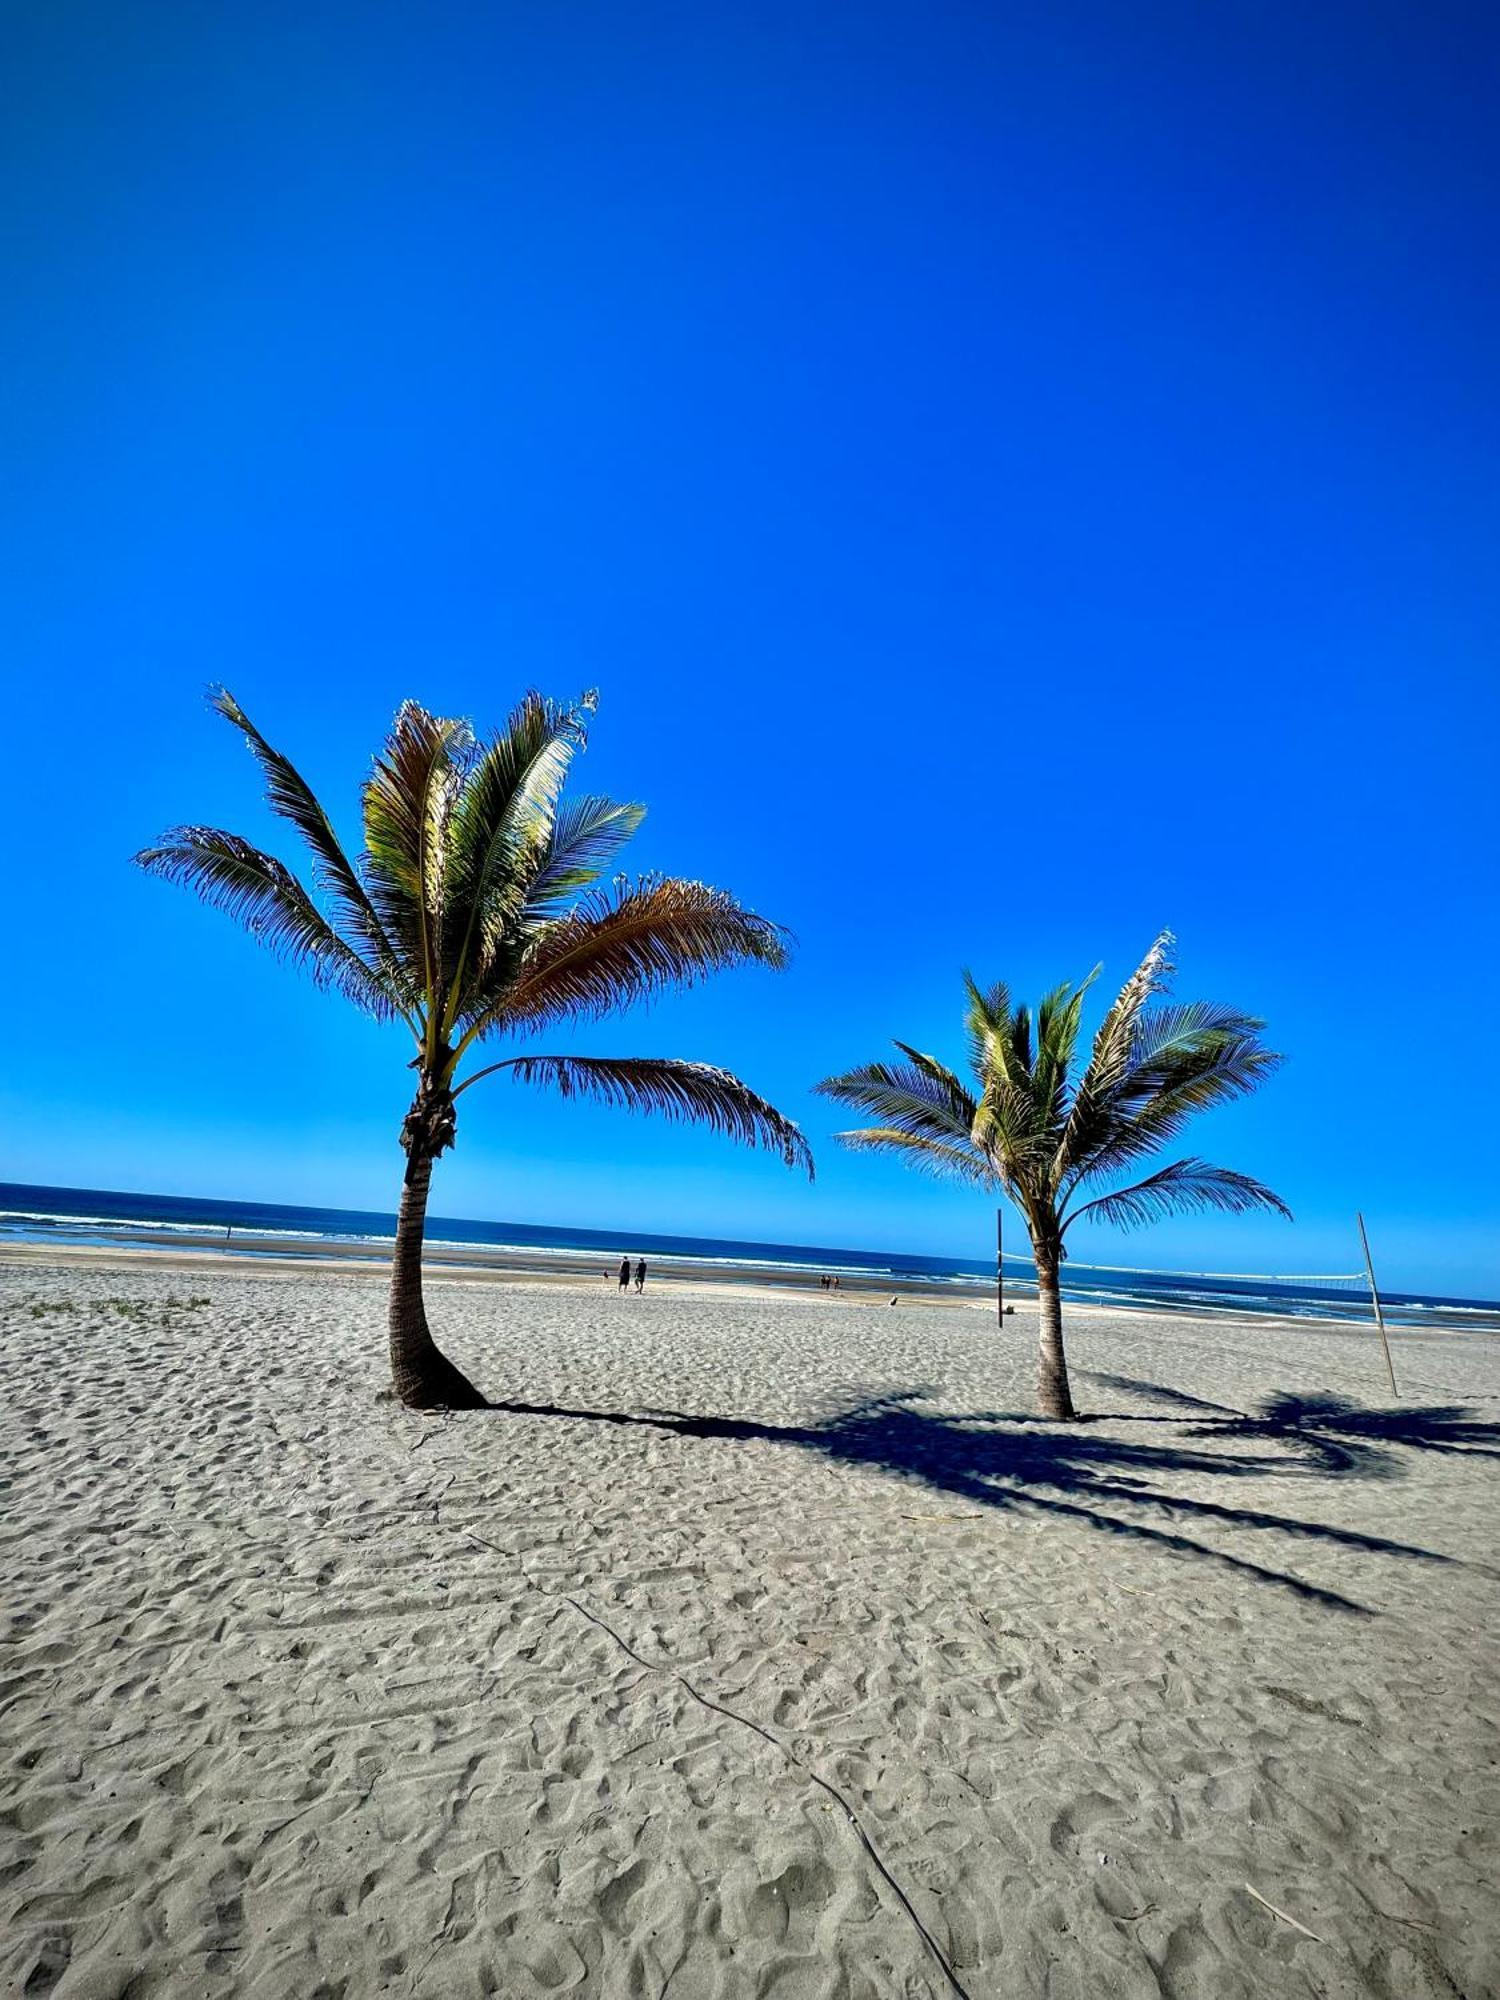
1018	481
652	1233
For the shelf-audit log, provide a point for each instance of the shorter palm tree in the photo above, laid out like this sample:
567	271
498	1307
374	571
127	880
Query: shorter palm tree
1044	1138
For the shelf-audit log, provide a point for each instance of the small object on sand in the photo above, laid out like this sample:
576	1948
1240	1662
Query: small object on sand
1283	1915
894	1300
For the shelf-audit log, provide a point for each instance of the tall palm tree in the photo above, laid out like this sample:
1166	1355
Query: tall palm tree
472	912
1044	1138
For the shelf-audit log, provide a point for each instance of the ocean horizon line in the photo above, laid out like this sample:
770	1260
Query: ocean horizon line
39	1213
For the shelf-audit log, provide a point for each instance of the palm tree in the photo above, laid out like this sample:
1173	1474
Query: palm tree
1042	1138
474	911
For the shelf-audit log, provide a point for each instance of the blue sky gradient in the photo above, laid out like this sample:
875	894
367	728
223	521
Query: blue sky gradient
1018	476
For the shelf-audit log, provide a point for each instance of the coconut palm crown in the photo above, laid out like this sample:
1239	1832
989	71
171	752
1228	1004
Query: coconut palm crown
1047	1138
477	909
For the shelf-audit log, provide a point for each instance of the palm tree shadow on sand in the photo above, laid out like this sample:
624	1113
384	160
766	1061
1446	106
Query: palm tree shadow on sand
1076	1472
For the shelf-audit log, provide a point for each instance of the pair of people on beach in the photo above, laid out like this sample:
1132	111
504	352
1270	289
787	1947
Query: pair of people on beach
640	1274
829	1284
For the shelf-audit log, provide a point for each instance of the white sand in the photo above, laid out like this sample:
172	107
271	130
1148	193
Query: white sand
277	1725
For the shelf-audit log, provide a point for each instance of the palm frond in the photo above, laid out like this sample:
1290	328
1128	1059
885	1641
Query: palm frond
1183	1187
1159	1031
688	1092
1091	1114
1008	1118
1016	1052
1058	1017
1193	1071
501	827
986	1026
918	1097
948	1160
944	1084
624	945
587	835
291	797
263	895
406	801
1115	1038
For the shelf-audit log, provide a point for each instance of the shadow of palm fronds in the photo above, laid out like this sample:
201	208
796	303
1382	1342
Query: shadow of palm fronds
1009	1463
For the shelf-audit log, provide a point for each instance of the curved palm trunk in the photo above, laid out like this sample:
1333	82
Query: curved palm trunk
1054	1397
423	1376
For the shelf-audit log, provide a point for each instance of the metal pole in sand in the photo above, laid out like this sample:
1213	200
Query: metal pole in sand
1375	1300
999	1267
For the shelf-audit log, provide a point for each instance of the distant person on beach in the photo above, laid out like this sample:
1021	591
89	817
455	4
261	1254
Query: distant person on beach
624	1274
640	1275
823	1281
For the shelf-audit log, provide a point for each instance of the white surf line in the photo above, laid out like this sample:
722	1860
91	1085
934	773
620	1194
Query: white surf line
748	1722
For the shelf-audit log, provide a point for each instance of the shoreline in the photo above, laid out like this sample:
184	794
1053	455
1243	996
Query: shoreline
89	1223
580	1270
587	1273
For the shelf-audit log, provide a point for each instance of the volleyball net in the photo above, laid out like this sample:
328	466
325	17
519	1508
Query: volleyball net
1305	1295
1343	1295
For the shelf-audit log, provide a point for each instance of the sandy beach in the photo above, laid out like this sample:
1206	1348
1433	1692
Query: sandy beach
756	1648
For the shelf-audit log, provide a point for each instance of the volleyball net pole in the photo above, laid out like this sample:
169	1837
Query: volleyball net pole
999	1266
1364	1243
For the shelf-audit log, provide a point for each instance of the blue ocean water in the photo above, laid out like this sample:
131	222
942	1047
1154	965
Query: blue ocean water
104	1216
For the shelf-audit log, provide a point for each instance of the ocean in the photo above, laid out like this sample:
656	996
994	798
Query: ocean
106	1216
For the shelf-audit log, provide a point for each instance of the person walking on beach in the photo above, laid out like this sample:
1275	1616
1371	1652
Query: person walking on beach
624	1274
640	1274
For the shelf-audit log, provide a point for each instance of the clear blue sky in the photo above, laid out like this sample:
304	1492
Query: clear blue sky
1019	476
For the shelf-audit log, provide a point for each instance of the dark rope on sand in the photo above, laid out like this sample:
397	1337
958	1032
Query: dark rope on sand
748	1722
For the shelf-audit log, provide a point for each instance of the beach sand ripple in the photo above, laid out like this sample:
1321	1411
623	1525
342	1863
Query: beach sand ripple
758	1649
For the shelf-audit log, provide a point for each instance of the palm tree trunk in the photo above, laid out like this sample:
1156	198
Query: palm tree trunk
1054	1398
423	1376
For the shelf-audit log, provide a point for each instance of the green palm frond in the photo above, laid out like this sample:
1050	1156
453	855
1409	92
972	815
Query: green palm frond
1161	1031
1015	1054
407	801
1059	1015
263	895
688	1092
947	1160
918	1097
986	1026
1184	1187
1114	1041
500	830
587	835
1156	1101
1000	1055
1091	1114
624	945
945	1084
291	797
1213	1066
